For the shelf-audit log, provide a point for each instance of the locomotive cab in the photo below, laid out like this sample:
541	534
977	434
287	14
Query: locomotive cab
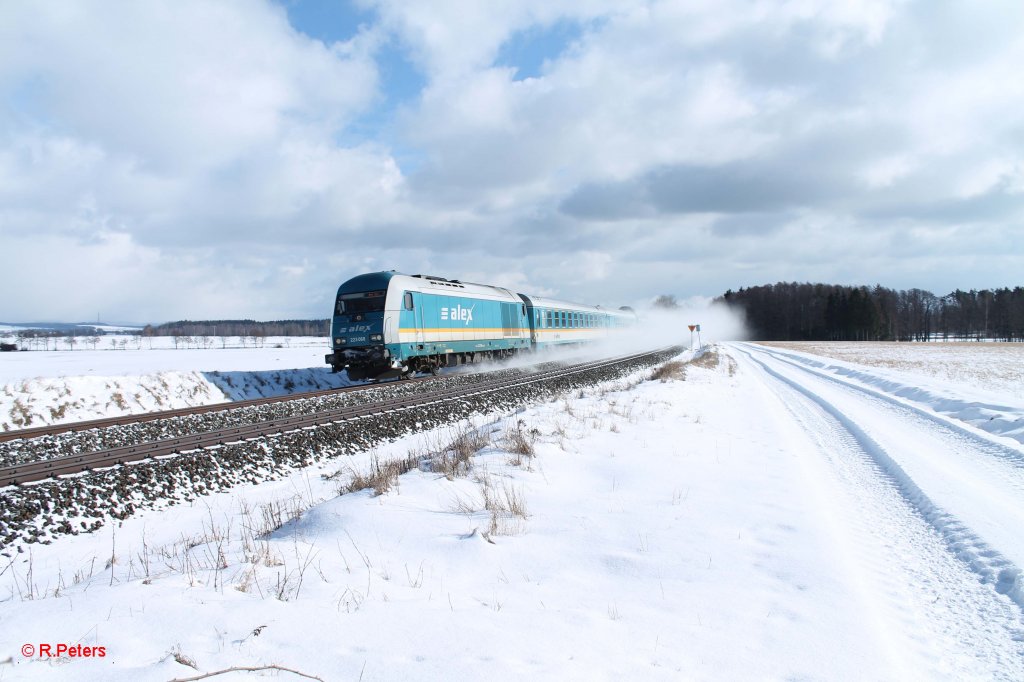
357	327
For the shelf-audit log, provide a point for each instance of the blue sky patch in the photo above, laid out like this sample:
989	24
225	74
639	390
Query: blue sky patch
401	82
328	21
527	50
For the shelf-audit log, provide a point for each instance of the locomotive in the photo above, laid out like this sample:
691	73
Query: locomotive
390	325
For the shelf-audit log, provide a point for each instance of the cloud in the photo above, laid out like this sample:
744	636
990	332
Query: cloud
209	158
161	112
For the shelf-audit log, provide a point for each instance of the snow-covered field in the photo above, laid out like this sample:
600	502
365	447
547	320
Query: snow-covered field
762	514
992	367
116	355
57	386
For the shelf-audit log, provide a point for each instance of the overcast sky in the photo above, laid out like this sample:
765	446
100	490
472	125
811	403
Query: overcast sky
228	159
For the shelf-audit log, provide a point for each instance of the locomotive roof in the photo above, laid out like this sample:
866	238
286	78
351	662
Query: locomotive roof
374	281
544	302
370	281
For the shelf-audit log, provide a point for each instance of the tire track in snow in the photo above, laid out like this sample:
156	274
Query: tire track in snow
987	454
945	418
991	566
923	559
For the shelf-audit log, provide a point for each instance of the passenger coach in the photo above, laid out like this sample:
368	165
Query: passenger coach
556	323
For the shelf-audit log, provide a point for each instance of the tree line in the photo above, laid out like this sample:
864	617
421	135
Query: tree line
792	311
249	328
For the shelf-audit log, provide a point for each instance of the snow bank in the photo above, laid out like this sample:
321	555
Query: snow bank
50	387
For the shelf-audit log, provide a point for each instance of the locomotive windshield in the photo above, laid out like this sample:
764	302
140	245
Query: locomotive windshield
368	302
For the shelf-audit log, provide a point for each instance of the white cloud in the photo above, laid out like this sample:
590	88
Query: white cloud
211	152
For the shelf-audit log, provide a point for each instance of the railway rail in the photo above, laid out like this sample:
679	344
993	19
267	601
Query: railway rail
72	427
72	464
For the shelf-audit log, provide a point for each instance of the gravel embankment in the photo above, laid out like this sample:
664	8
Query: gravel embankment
63	444
39	511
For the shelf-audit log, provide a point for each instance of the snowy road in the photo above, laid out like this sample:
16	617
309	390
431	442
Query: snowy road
915	499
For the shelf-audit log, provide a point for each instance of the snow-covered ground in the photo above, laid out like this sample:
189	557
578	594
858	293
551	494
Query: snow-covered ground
117	355
57	386
762	514
993	367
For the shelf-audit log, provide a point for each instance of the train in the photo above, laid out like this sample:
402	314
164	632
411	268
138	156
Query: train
390	325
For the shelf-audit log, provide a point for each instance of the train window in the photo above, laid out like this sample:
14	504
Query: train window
368	302
408	300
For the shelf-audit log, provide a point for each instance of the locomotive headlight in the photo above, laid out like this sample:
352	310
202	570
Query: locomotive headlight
376	337
339	341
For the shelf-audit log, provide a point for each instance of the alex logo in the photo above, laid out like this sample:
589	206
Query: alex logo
359	328
458	313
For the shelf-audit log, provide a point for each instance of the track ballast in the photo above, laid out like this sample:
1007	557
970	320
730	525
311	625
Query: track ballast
114	482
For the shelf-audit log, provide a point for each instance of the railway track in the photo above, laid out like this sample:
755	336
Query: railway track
72	427
72	464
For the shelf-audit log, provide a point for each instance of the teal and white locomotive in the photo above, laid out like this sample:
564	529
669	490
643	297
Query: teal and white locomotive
388	325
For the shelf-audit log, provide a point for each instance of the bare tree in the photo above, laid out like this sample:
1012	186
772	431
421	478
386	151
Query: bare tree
666	301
